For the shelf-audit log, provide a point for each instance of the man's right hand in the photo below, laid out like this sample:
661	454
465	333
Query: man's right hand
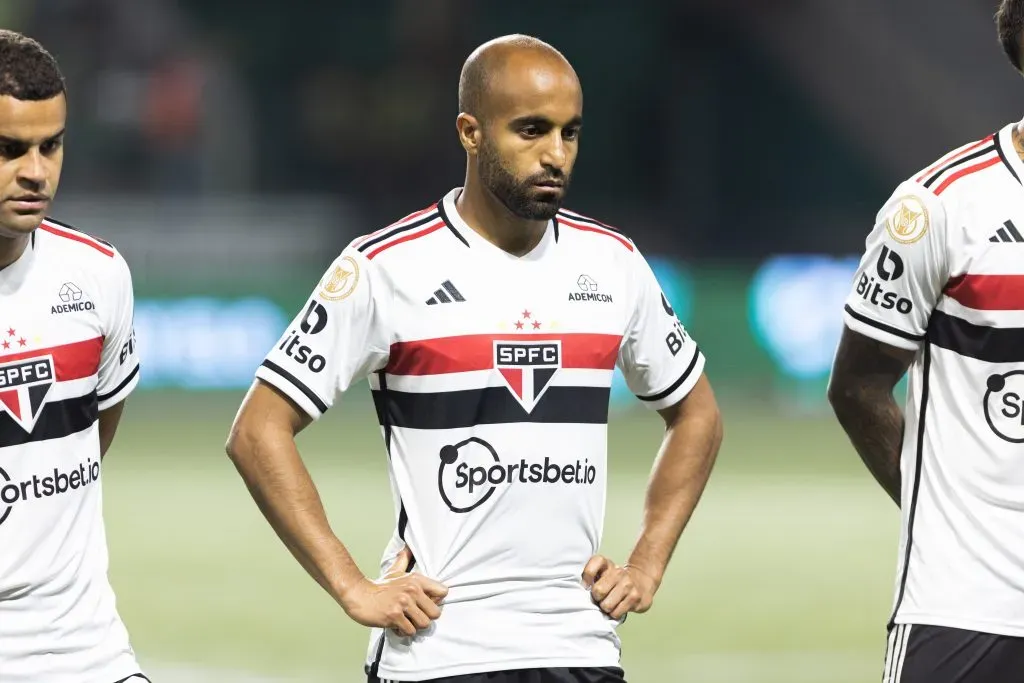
399	601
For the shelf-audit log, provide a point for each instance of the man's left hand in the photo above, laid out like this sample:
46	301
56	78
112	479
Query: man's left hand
618	590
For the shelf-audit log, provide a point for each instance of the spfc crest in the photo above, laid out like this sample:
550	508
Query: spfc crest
23	388
527	368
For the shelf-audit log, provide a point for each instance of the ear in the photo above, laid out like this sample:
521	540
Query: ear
470	132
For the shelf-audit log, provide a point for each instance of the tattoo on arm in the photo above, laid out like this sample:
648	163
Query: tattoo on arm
864	374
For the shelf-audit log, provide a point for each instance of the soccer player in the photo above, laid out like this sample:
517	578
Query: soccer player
67	362
940	290
489	325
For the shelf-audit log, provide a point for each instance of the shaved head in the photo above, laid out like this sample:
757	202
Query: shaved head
487	63
521	110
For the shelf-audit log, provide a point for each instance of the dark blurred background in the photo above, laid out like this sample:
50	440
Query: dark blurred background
716	128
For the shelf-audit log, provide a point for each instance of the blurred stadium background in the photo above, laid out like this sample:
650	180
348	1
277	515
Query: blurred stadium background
230	148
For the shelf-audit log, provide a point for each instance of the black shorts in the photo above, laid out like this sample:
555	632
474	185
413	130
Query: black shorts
135	678
937	654
606	674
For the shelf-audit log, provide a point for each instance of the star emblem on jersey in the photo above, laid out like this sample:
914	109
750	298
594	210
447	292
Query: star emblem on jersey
24	384
527	367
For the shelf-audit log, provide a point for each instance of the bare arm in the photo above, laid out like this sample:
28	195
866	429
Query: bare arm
262	447
681	470
109	419
693	434
864	374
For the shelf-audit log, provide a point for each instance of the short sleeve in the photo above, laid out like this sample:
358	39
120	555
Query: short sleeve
338	337
658	358
119	362
902	272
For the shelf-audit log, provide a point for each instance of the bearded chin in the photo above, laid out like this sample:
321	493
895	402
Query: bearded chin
515	195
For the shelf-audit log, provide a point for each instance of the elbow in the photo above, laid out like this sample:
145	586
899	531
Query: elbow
717	428
235	446
842	397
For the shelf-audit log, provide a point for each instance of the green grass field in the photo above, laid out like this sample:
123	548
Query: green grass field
785	573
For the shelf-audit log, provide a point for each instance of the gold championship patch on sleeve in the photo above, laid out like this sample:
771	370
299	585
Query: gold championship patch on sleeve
909	222
341	281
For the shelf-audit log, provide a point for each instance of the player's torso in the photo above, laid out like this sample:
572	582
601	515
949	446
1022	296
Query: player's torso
51	339
495	401
968	388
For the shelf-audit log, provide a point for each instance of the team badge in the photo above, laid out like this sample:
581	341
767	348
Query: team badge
24	385
909	222
527	367
341	281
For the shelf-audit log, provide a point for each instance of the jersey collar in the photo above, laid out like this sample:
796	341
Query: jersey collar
1011	160
471	238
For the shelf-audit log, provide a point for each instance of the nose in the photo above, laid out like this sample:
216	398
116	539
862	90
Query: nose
33	169
555	154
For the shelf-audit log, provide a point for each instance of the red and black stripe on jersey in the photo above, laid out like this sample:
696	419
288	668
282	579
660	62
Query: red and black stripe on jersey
467	408
983	154
74	234
57	418
577	221
417	224
984	342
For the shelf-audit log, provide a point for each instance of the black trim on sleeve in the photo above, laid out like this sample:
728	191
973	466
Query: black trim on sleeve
678	383
314	399
120	387
882	326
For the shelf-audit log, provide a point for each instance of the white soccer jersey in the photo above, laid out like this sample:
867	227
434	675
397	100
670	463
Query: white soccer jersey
67	351
943	274
491	378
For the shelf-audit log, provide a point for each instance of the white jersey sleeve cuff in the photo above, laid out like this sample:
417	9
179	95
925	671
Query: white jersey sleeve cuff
879	331
679	388
273	374
120	392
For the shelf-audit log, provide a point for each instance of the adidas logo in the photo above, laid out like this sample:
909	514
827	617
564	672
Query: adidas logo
1007	233
445	295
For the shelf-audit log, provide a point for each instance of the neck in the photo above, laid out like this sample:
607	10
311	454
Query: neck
485	214
11	249
1018	139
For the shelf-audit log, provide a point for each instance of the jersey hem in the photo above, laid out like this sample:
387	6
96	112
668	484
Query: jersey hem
1014	631
291	388
485	667
887	334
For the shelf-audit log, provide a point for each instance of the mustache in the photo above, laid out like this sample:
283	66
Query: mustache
549	177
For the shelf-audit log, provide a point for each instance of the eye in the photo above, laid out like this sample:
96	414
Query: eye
10	150
571	133
51	146
530	131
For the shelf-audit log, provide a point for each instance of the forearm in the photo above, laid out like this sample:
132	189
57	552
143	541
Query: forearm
677	481
874	424
283	490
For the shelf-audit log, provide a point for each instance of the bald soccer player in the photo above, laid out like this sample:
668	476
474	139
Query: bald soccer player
489	325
